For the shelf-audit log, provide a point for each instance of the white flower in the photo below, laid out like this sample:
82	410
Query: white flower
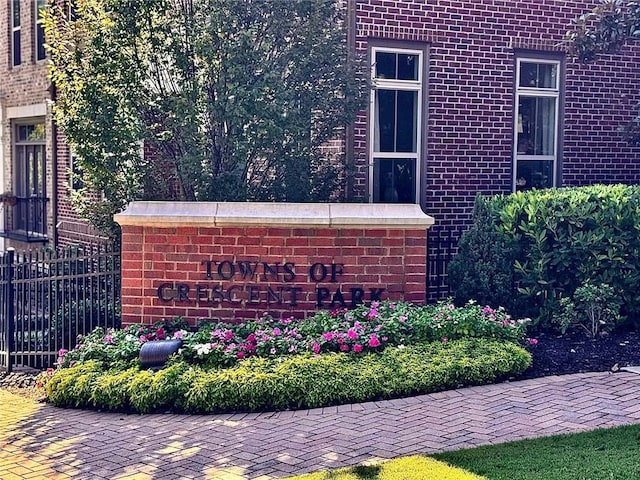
202	348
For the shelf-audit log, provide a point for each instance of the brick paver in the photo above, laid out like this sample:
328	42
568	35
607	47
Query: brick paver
40	441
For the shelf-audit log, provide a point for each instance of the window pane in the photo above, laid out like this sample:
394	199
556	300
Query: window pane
536	125
407	125
385	121
538	75
407	67
534	174
17	57
385	65
40	52
16	13
394	180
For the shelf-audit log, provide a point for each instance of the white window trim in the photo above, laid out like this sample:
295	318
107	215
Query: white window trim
393	84
553	92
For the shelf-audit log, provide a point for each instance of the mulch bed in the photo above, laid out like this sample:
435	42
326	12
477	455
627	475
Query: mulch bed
576	353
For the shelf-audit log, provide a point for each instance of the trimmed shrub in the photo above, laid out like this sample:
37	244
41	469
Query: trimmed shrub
296	381
483	268
559	240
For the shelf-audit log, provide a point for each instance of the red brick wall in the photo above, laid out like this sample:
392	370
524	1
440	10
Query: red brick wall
472	48
393	259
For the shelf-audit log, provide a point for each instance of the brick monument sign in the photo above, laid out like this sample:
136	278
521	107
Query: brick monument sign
233	261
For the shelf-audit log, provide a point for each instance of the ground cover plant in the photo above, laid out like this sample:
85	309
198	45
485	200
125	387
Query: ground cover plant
381	350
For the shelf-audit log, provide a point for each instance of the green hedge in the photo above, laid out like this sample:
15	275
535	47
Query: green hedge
301	381
528	250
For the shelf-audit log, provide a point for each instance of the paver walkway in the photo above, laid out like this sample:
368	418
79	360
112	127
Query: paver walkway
40	441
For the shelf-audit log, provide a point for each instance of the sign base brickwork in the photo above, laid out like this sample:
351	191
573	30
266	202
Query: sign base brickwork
235	261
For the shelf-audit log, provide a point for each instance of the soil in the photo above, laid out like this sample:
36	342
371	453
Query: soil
576	353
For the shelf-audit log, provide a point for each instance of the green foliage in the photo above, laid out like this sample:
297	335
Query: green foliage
368	328
482	268
605	29
563	238
606	453
234	100
296	381
594	308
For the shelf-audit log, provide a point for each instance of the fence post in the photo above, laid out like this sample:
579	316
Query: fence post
9	307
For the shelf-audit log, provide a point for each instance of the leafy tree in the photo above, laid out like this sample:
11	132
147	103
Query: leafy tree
232	99
606	29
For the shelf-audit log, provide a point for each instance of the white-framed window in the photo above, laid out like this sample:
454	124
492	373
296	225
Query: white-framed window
395	126
40	52
536	117
16	32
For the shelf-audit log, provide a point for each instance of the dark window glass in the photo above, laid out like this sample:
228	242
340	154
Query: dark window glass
407	113
16	13
407	67
536	125
385	65
538	75
534	174
40	51
385	120
394	180
17	57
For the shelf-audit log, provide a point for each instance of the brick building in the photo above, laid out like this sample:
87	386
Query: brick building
480	96
467	97
33	154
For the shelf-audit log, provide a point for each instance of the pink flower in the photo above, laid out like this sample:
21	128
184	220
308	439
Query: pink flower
352	334
373	341
277	331
316	348
142	339
160	333
385	338
108	339
452	306
357	348
62	352
240	355
402	318
251	338
344	347
392	306
328	336
178	334
373	313
273	351
444	339
533	341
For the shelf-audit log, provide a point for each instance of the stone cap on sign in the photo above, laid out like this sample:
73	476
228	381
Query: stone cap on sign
220	214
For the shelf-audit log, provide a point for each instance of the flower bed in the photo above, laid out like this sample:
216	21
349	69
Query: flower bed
377	351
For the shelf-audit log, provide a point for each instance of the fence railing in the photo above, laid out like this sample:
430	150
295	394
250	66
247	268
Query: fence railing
48	298
441	247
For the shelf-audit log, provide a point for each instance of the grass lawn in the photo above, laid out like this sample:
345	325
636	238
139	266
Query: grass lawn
606	454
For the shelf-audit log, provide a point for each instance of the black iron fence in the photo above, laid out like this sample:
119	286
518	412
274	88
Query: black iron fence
48	298
441	247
